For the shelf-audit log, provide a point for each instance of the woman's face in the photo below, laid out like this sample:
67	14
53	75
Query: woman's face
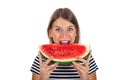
63	32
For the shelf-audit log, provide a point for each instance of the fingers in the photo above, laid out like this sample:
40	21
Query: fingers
48	61
84	62
40	58
79	67
45	67
53	66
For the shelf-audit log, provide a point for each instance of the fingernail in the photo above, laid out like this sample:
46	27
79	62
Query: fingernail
73	62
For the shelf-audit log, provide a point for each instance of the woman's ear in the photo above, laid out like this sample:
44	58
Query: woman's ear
50	33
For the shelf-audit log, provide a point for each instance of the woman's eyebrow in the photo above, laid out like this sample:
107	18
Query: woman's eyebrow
71	26
56	26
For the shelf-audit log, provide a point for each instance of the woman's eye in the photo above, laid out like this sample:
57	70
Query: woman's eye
57	29
70	29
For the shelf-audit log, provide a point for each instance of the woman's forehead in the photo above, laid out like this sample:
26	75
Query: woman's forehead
60	22
64	27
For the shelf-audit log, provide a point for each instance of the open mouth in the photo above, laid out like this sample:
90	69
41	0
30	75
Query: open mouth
64	42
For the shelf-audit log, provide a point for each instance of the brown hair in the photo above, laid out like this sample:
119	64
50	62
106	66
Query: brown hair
67	14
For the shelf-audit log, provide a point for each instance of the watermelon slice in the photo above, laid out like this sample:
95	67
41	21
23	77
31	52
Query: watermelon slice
64	54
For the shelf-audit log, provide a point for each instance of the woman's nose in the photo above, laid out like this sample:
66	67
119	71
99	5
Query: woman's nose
64	34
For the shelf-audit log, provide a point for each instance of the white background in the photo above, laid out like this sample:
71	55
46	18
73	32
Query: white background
23	26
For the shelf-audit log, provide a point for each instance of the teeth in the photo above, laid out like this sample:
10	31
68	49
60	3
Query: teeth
64	42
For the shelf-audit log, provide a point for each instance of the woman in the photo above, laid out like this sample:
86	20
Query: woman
63	29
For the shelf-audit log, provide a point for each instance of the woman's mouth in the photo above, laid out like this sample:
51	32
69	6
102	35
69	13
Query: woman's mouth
64	42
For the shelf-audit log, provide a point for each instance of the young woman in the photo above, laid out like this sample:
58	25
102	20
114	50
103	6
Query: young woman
63	29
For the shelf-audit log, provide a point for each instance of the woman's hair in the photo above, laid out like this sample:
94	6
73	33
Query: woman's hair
68	15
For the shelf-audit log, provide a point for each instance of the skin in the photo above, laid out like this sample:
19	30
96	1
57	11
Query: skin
63	30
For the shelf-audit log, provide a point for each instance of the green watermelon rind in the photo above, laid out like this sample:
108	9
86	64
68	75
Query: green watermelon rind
68	62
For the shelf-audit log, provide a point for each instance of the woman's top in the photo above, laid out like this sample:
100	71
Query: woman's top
64	72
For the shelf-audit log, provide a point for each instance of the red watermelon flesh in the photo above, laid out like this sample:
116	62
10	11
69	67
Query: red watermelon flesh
64	54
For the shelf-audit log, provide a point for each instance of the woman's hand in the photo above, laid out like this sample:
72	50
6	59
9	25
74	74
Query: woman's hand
46	69
82	69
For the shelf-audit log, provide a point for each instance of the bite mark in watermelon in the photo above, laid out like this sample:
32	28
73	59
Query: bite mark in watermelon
64	54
